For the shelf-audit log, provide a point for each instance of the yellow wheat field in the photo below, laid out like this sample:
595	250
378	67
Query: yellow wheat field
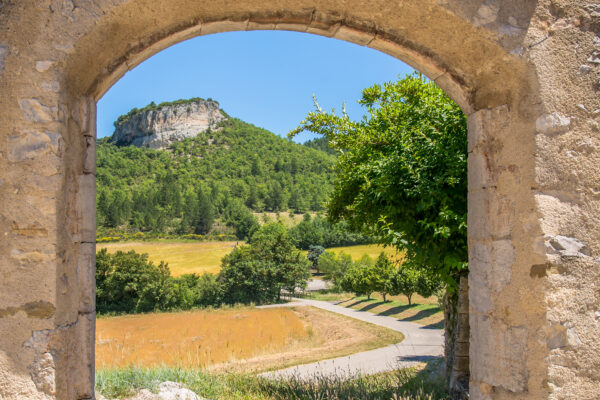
372	250
183	257
201	257
244	338
195	339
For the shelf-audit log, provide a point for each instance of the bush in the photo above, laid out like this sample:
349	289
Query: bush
128	282
193	290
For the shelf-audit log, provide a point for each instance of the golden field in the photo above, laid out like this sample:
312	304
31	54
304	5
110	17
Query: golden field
201	257
183	257
372	250
287	218
251	339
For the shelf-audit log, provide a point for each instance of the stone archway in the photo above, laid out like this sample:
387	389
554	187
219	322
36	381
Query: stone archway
525	72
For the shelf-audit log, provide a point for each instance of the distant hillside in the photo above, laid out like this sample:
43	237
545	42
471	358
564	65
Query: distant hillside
192	182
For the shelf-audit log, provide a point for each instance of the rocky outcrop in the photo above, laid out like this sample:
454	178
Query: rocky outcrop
159	126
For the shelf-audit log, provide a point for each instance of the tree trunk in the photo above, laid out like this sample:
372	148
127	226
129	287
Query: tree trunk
456	332
384	294
409	297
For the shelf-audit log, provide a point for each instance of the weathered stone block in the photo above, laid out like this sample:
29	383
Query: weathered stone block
89	158
3	54
86	278
32	145
43	66
223	26
83	226
354	36
498	354
479	171
490	215
35	111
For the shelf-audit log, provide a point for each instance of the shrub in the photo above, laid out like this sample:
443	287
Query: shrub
128	282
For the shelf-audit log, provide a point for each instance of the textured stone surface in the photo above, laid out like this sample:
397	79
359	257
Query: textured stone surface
157	129
525	72
167	391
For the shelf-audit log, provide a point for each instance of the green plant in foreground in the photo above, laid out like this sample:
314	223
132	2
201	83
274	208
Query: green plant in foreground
404	384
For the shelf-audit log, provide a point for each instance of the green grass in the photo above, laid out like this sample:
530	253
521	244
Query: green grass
407	384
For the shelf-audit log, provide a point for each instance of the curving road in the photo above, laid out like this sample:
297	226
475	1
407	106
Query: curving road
420	344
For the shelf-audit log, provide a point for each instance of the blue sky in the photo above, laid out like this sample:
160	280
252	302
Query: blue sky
263	77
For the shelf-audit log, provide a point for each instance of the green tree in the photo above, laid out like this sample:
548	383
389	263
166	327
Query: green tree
410	280
272	243
204	214
401	174
380	275
128	282
314	252
334	267
358	278
237	215
193	290
260	271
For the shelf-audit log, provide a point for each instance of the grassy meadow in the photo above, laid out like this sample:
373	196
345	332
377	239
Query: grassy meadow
239	338
187	257
184	257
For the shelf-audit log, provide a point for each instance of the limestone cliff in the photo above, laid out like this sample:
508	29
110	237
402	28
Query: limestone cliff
157	126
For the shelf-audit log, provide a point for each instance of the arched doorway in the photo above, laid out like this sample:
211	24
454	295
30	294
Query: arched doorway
493	58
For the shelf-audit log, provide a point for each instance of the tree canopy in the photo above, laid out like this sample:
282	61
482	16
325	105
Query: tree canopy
258	272
401	174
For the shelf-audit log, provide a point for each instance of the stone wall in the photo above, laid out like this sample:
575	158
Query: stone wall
525	72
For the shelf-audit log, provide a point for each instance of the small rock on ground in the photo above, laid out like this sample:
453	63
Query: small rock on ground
167	391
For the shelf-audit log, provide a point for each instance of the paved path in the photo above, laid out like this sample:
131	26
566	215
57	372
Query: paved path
420	344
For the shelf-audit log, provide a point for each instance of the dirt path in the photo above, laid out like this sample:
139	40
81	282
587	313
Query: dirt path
420	344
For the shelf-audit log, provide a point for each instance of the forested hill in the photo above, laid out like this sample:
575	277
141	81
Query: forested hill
185	187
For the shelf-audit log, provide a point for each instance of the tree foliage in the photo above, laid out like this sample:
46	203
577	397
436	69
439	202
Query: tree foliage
334	267
401	175
318	231
410	280
128	282
358	278
314	252
258	272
